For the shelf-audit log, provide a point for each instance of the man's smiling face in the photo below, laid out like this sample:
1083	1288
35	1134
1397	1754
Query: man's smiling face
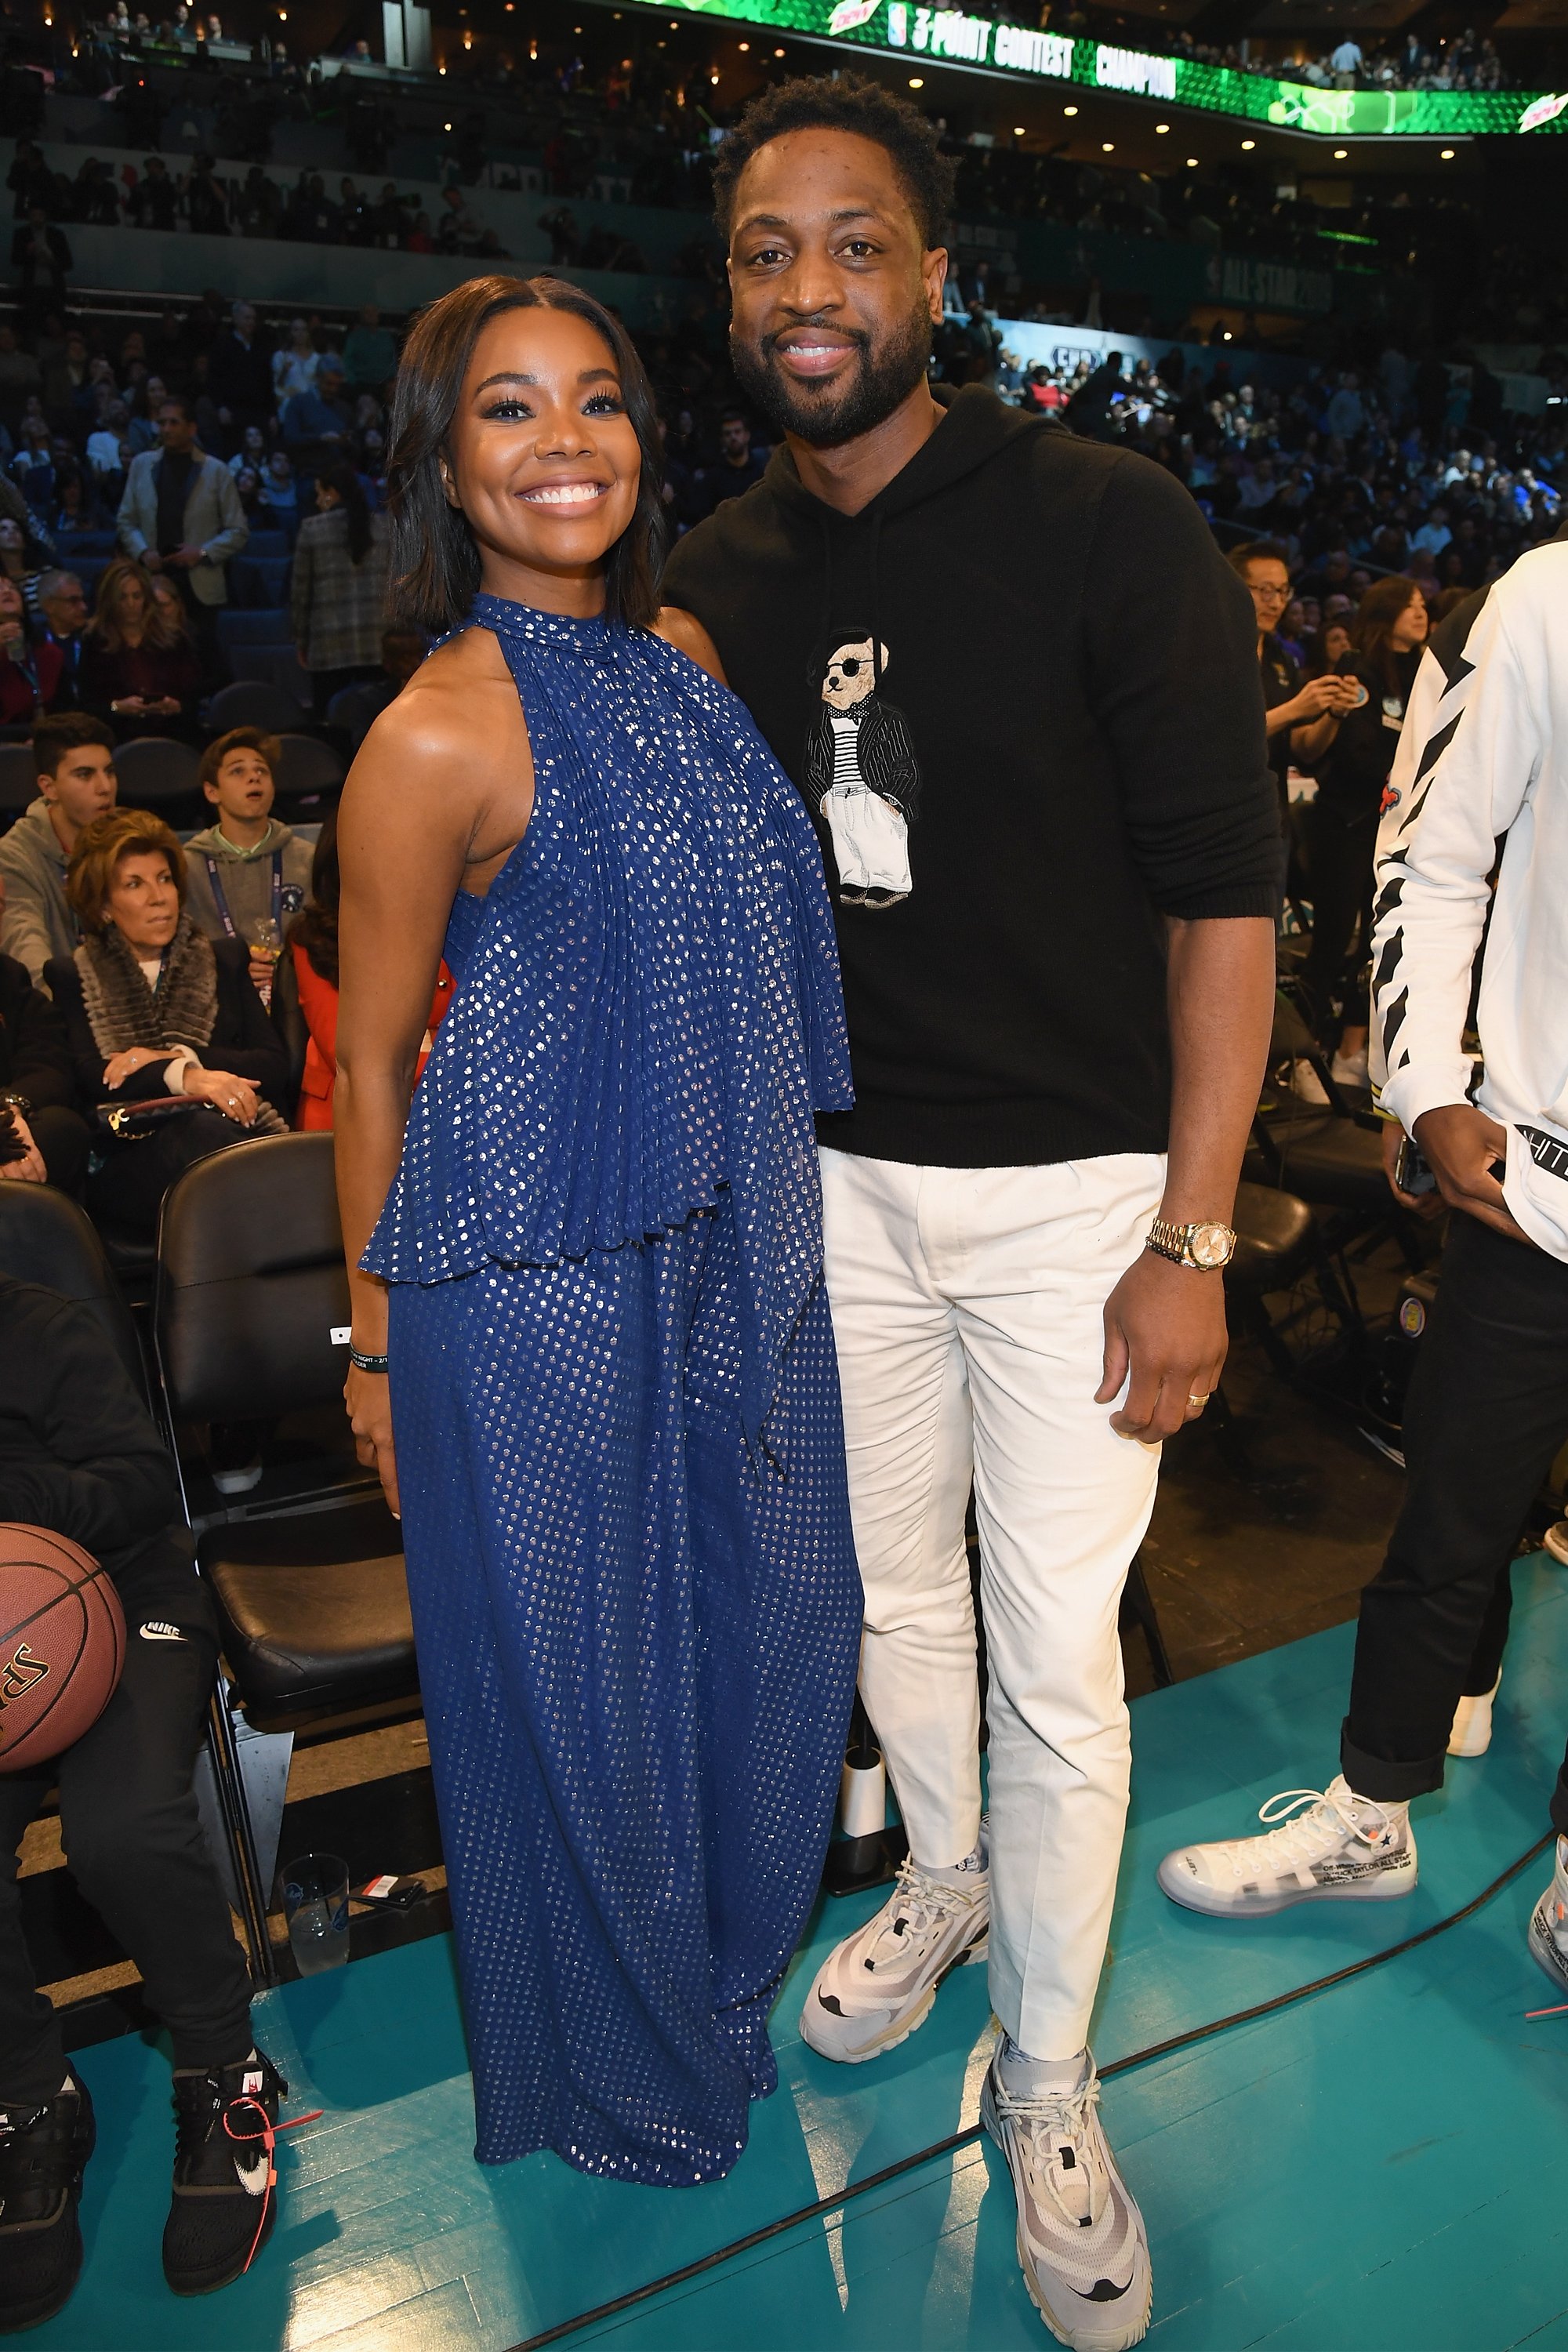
835	296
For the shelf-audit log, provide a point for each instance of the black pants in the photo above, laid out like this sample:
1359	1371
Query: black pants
202	619
134	1845
129	1188
1340	886
62	1137
1487	1411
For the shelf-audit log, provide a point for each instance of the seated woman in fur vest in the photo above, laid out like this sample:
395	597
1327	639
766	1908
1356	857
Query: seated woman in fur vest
158	1014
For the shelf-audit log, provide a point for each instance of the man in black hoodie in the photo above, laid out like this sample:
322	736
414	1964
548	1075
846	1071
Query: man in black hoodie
1057	874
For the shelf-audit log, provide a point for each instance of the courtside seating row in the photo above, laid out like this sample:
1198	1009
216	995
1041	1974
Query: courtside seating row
250	1322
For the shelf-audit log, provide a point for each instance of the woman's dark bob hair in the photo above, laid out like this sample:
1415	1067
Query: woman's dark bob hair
434	557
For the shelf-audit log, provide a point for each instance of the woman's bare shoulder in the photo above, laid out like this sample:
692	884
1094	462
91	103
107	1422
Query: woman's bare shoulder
686	633
460	704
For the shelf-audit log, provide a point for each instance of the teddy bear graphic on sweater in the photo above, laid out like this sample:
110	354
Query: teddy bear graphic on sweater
861	774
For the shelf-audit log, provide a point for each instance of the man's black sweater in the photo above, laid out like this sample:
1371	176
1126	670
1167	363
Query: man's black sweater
1066	714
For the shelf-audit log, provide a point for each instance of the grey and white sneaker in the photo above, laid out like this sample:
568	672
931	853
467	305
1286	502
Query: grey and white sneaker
1549	1924
1081	2241
1344	1848
878	1985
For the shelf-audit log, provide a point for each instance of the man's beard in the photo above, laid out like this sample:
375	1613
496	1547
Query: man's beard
827	414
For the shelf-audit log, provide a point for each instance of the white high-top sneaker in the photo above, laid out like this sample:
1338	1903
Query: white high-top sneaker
1344	1848
1549	1924
1472	1732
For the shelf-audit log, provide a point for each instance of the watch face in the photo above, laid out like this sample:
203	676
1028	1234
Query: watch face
1212	1244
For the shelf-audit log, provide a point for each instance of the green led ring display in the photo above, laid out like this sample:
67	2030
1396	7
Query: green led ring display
903	29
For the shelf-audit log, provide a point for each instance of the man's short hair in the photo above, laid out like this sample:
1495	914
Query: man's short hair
124	832
178	400
1257	550
67	730
849	103
54	583
239	739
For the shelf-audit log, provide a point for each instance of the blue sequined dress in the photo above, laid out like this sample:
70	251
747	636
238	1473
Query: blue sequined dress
615	1405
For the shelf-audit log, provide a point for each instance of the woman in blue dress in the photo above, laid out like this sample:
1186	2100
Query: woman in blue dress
592	1355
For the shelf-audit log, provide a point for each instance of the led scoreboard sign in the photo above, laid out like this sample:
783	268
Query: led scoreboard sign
902	27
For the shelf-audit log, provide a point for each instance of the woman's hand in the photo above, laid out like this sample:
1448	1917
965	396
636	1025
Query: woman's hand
30	1168
135	704
368	1397
235	1098
123	1066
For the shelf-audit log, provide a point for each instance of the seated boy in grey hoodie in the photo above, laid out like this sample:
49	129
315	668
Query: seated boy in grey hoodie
248	875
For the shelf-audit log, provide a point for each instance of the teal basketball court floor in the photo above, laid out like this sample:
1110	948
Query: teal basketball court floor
1382	2167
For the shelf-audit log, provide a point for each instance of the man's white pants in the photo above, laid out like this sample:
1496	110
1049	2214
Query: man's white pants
968	1306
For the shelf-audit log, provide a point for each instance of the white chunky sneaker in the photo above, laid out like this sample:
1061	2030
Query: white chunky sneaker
1081	2240
1549	1924
875	1986
1472	1732
1344	1848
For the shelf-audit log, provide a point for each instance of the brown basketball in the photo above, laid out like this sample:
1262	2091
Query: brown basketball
62	1644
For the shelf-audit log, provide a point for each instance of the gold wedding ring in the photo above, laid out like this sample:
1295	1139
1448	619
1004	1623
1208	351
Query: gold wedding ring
1201	1399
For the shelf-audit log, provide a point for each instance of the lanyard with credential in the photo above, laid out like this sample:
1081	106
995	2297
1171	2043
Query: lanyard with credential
221	902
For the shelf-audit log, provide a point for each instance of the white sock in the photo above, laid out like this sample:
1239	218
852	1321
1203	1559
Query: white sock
958	1874
1033	2078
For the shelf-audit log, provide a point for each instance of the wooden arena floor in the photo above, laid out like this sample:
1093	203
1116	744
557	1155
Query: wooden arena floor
1383	2166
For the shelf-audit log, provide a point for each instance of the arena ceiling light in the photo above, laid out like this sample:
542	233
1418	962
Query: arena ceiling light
1446	156
1192	163
1161	128
917	81
1108	146
1018	130
1341	155
1247	146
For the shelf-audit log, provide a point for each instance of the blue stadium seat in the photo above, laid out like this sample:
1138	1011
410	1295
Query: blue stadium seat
69	546
253	626
154	769
252	702
278	666
18	779
258	581
306	767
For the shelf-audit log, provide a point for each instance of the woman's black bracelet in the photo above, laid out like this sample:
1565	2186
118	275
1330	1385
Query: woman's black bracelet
368	1363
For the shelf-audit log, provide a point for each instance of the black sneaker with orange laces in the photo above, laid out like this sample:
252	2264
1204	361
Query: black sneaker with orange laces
43	2154
224	2203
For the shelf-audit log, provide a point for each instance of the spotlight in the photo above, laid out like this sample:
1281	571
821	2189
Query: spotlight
1069	109
1247	146
1161	128
1341	153
1108	146
916	82
1446	156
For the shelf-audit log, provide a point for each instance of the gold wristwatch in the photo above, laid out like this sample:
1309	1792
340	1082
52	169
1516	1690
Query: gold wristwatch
1209	1248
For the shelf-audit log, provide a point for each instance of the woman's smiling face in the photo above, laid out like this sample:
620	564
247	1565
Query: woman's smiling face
542	458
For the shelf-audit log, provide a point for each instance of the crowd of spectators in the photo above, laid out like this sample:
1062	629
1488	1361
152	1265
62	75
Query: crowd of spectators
1402	481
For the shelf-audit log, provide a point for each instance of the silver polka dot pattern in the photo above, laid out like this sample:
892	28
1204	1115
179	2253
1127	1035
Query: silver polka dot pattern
617	1417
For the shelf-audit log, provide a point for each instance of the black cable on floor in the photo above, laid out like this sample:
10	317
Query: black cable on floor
955	2140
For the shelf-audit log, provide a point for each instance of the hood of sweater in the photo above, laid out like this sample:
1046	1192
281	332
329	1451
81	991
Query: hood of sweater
976	427
33	843
212	844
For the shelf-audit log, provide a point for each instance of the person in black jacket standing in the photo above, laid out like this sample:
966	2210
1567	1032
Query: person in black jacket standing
1059	1008
79	1453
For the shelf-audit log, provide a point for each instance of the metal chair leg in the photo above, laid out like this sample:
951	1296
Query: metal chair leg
229	1783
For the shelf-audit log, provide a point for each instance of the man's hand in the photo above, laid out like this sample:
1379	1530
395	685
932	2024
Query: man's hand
30	1168
1164	1325
187	556
1461	1143
1420	1204
150	560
